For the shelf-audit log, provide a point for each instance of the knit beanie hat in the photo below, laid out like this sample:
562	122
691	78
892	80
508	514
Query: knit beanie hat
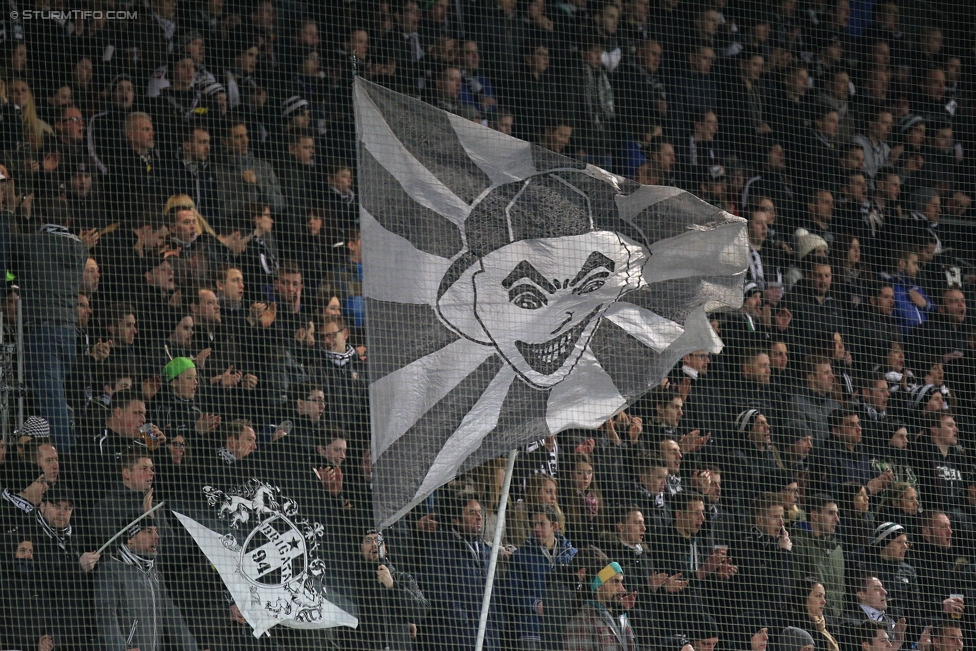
745	419
176	367
794	639
886	532
35	427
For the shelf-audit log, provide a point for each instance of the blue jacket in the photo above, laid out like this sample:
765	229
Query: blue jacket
526	582
456	590
907	314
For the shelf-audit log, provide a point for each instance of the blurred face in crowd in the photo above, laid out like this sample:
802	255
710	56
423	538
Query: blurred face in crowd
57	514
772	521
760	432
538	61
938	531
24	551
184	226
816	600
849	432
631	530
472	519
950	640
582	476
237	141
779	357
207	308
358	44
334	337
827	519
245	443
504	124
656	481
127	420
881	642
670	414
664	159
908	502
47	460
124	95
334	452
198	147
161	276
822	379
140	476
288	286
232	286
548	492
896	357
947	432
124	332
71	126
177	449
557	137
145	543
650	55
698	360
313	407
544	530
671	453
83	310
303	151
91	276
821	277
873	594
757	369
884	302
758	228
263	222
896	549
954	305
185	384
140	134
822	207
690	520
701	60
876	395
370	548
183	334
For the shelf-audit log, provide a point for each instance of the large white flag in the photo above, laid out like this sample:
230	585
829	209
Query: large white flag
512	293
270	558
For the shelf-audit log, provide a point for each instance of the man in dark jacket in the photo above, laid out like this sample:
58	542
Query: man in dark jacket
843	458
390	604
461	554
50	272
767	554
937	560
886	560
942	466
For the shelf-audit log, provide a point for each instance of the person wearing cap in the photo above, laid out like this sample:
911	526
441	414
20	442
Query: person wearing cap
238	78
712	186
63	571
390	603
133	609
182	416
602	623
752	453
886	560
242	177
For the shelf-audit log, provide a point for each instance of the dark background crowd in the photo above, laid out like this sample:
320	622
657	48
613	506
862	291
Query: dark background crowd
179	227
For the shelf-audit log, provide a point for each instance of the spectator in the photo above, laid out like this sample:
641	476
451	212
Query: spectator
52	267
546	550
390	601
934	558
767	558
810	600
600	622
122	596
813	403
817	553
242	177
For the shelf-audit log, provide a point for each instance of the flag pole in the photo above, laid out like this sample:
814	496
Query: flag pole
496	545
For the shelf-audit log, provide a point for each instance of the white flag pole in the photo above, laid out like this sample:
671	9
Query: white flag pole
496	545
126	527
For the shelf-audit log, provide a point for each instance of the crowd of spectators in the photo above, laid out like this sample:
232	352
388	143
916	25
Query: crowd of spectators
178	222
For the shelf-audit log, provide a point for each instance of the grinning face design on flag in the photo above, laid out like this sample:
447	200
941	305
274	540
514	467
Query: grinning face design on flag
540	301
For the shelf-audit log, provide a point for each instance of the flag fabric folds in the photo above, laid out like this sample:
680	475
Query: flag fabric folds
512	293
271	558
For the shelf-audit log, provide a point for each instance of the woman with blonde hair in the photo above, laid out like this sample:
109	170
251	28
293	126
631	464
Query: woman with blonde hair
35	129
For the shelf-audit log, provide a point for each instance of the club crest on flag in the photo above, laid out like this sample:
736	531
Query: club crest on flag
270	558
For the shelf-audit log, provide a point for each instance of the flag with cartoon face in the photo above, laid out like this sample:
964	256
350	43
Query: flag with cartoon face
512	293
